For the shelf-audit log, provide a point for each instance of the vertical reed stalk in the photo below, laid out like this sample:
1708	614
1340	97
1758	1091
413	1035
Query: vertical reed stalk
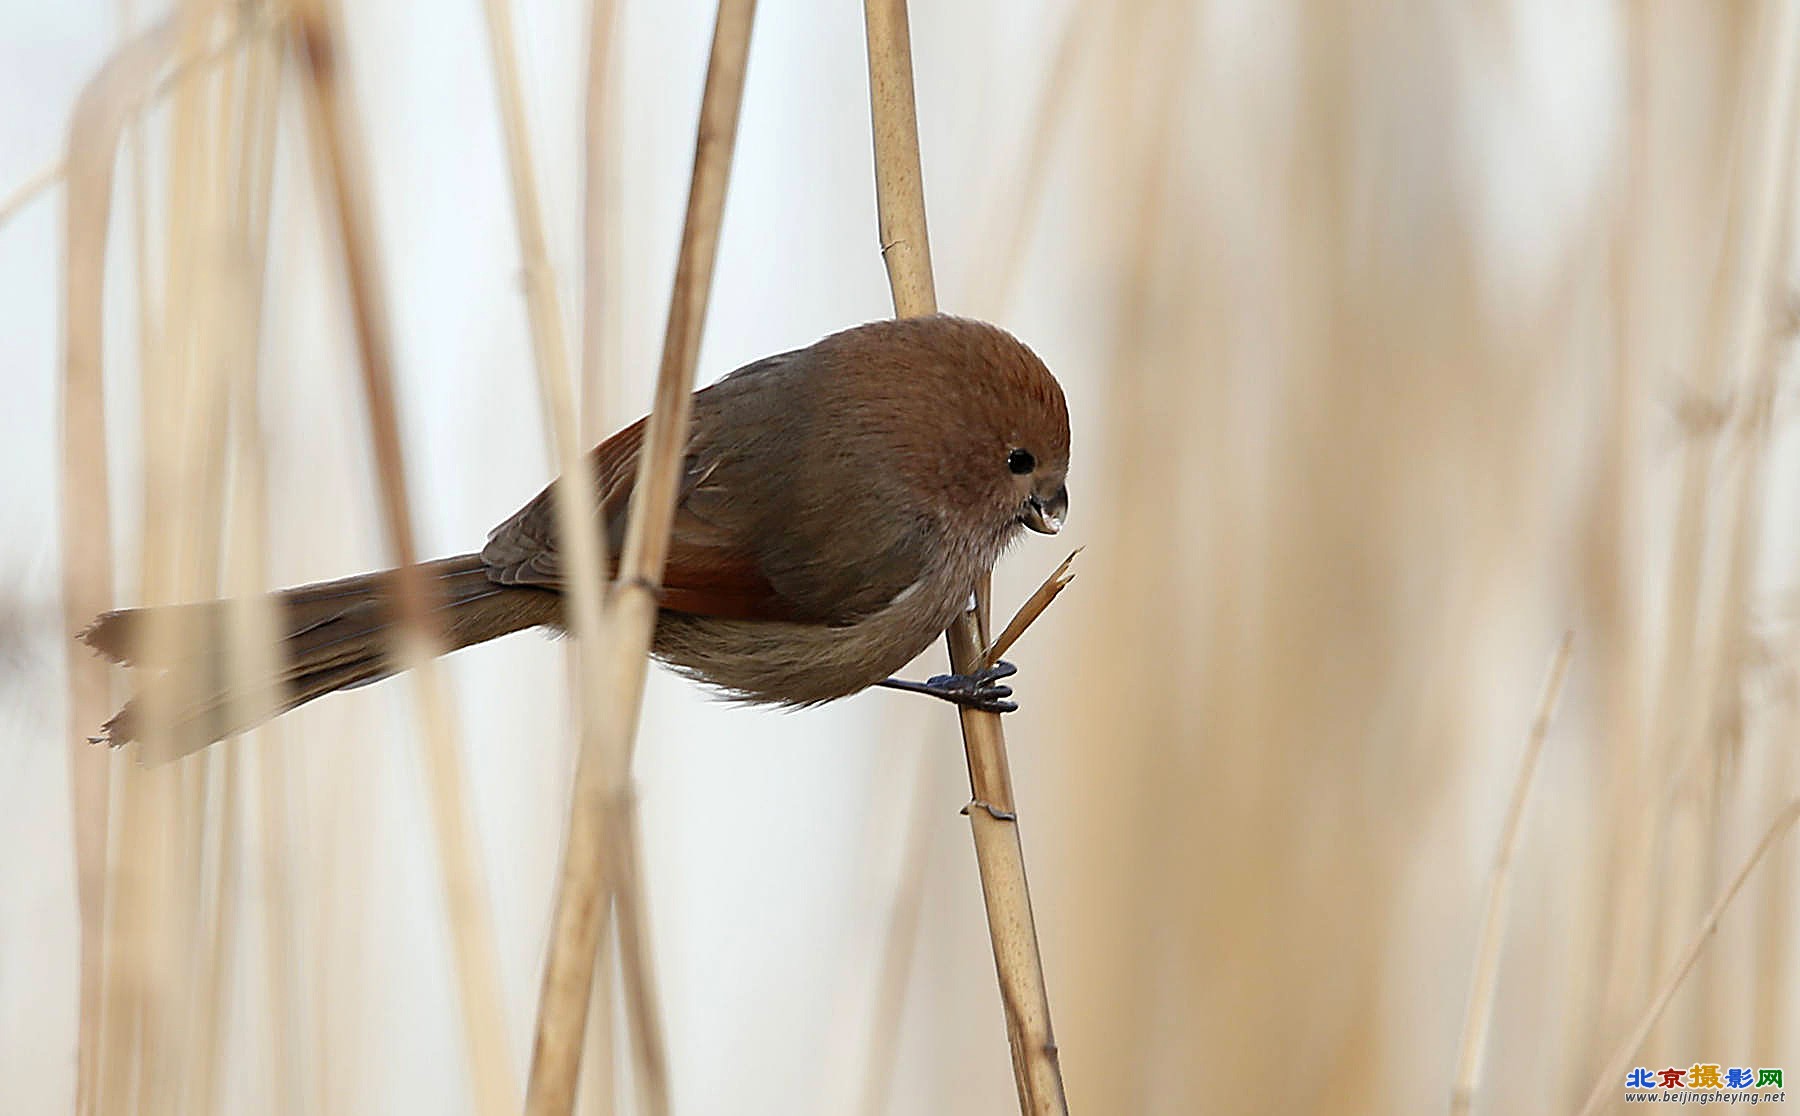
1618	951
1612	1076
578	523
1486	971
95	127
247	167
597	1085
1682	870
178	429
993	816
583	892
338	162
252	623
995	275
600	224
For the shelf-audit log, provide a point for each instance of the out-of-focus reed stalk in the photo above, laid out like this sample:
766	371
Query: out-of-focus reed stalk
40	181
1486	970
1742	312
1767	335
1109	994
246	164
180	428
211	817
599	367
95	128
597	1082
1615	952
578	523
637	969
602	772
37	182
140	206
1014	209
600	223
1612	1075
1771	1029
287	1080
337	152
252	625
993	817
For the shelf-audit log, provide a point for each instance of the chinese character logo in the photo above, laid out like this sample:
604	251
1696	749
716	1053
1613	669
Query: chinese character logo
1704	1082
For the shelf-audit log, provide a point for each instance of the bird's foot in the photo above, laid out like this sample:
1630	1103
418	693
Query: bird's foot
981	690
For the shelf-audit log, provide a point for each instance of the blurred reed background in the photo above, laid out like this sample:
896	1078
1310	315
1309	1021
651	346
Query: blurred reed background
1399	339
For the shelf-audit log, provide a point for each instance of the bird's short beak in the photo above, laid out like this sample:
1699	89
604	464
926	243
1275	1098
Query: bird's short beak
1046	516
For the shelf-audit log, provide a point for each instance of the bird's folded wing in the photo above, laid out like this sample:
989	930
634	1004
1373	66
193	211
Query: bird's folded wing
711	569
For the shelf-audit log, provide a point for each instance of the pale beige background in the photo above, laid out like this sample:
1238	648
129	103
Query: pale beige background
1332	291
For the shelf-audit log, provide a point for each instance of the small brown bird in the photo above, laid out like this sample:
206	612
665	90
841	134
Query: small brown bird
837	507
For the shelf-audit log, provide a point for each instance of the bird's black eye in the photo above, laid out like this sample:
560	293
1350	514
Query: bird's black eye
1020	461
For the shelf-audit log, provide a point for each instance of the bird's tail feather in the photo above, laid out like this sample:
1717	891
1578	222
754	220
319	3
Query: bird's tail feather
334	635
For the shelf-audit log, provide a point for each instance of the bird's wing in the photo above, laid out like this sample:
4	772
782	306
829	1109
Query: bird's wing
712	568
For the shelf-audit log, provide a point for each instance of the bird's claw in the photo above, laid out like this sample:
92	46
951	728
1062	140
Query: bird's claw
981	690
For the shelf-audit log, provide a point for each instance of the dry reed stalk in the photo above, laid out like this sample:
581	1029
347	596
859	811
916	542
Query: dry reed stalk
338	157
1615	573
1611	1076
145	303
625	874
220	325
993	817
217	945
578	522
1742	309
184	433
1484	980
252	629
287	1081
278	929
597	1081
1127	836
36	183
990	288
251	621
1770	1031
549	345
596	1087
1636	946
1759	371
903	917
95	128
575	501
600	190
1755	150
147	326
601	772
174	418
40	181
123	996
1034	607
